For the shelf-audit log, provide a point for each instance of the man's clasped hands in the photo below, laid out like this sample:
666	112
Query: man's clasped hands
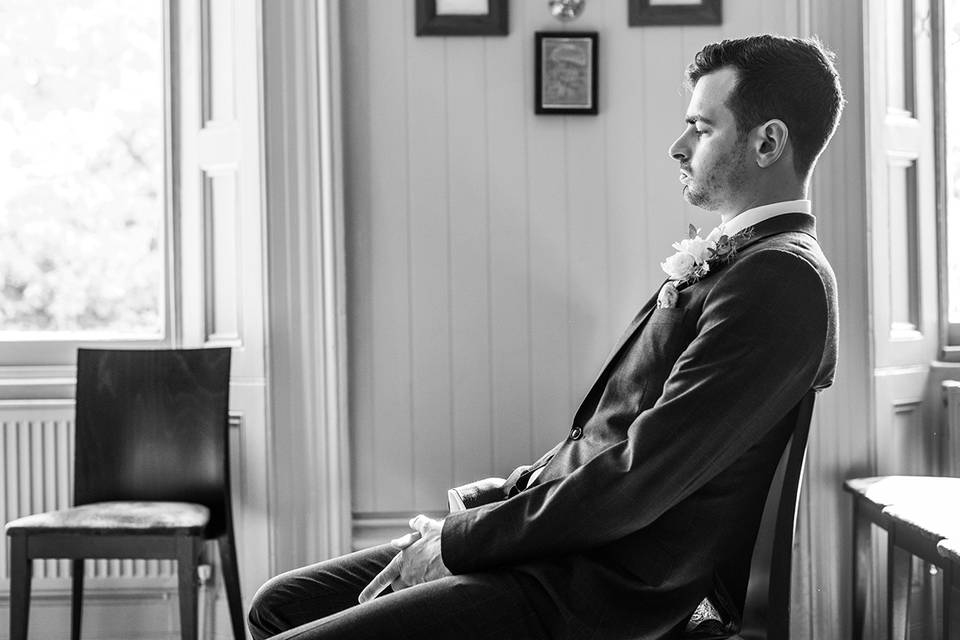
418	559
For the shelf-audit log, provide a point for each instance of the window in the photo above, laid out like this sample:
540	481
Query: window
83	208
949	171
951	161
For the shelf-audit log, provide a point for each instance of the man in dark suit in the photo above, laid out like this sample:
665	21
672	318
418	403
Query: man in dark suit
649	507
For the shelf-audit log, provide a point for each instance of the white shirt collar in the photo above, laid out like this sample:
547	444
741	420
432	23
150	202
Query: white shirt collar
757	215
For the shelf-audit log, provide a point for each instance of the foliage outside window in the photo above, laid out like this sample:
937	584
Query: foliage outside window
81	168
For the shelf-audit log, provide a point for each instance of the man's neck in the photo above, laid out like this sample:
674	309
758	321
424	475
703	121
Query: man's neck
799	192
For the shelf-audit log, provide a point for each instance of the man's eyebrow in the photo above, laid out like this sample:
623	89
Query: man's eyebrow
696	117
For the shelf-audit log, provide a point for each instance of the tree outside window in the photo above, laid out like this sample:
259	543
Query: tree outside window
81	168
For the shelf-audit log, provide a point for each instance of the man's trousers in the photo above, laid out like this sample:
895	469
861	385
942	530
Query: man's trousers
319	602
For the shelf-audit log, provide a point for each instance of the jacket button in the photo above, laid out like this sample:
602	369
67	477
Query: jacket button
576	434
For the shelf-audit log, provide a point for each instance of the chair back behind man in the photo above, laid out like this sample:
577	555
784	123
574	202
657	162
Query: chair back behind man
766	612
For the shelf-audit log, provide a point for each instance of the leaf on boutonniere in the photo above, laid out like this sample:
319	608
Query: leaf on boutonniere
724	250
692	232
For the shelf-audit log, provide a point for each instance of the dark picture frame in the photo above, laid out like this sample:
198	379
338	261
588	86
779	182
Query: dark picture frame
644	13
493	23
566	72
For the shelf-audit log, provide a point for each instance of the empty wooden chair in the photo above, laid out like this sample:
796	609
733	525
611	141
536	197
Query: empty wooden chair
151	477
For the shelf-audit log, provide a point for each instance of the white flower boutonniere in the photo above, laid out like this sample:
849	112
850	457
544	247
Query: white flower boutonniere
695	254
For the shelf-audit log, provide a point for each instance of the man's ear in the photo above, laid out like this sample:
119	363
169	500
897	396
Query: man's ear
768	142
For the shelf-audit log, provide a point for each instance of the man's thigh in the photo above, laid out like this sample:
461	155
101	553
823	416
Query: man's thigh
315	591
467	607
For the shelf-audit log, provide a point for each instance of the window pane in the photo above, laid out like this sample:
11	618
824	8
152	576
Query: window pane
952	96
81	167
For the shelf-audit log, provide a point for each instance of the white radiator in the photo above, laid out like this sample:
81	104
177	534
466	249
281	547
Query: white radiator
36	474
950	463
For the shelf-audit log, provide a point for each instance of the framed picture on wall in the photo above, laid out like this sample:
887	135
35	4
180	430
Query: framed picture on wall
566	72
462	18
642	13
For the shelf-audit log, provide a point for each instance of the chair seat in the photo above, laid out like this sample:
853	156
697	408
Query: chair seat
105	518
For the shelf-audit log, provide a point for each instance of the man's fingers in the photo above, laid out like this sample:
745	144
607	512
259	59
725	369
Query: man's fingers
382	580
405	541
420	523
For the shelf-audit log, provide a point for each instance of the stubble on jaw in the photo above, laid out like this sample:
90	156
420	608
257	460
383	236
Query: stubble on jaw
726	177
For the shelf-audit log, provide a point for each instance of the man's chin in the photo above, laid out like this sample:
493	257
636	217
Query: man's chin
695	198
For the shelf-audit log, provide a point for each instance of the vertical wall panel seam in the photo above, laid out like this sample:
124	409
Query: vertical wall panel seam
567	263
302	199
527	88
407	28
371	154
491	403
449	270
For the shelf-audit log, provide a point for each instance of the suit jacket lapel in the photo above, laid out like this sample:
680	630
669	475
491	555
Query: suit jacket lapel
638	322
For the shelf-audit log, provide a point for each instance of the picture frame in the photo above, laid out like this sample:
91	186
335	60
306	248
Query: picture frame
462	18
566	73
645	13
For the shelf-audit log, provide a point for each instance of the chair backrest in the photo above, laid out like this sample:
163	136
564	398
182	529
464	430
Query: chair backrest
766	613
152	425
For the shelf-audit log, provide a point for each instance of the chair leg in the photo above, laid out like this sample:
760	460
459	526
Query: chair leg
951	601
188	550
231	583
21	570
861	569
76	598
899	566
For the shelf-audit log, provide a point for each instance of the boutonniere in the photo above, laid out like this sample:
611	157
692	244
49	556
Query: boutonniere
694	255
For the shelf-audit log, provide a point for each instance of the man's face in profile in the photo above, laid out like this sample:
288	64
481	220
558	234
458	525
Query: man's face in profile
712	155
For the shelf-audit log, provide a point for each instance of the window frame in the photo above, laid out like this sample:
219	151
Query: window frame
949	331
49	362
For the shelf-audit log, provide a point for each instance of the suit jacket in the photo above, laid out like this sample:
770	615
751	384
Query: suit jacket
653	499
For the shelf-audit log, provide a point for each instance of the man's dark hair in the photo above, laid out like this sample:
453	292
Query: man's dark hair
792	79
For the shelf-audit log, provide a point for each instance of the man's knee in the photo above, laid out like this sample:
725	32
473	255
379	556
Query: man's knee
262	617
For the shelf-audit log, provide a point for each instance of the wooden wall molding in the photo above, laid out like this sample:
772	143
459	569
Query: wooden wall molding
310	493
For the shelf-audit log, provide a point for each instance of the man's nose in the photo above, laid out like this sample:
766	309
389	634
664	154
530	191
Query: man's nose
678	150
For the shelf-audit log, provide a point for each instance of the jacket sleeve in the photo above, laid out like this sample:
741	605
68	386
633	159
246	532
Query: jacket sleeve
759	343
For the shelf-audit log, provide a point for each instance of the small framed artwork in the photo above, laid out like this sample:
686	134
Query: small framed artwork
566	72
643	13
462	18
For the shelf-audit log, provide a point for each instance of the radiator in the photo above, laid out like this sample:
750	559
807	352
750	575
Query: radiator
36	474
950	462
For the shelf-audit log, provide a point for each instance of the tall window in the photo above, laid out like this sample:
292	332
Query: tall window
82	206
951	169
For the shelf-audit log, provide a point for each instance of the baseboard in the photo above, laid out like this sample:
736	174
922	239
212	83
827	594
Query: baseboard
370	529
120	614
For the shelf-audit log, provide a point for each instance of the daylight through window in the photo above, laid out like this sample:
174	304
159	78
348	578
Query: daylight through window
81	168
951	60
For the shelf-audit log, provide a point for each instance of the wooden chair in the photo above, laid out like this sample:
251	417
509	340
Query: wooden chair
151	477
766	612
